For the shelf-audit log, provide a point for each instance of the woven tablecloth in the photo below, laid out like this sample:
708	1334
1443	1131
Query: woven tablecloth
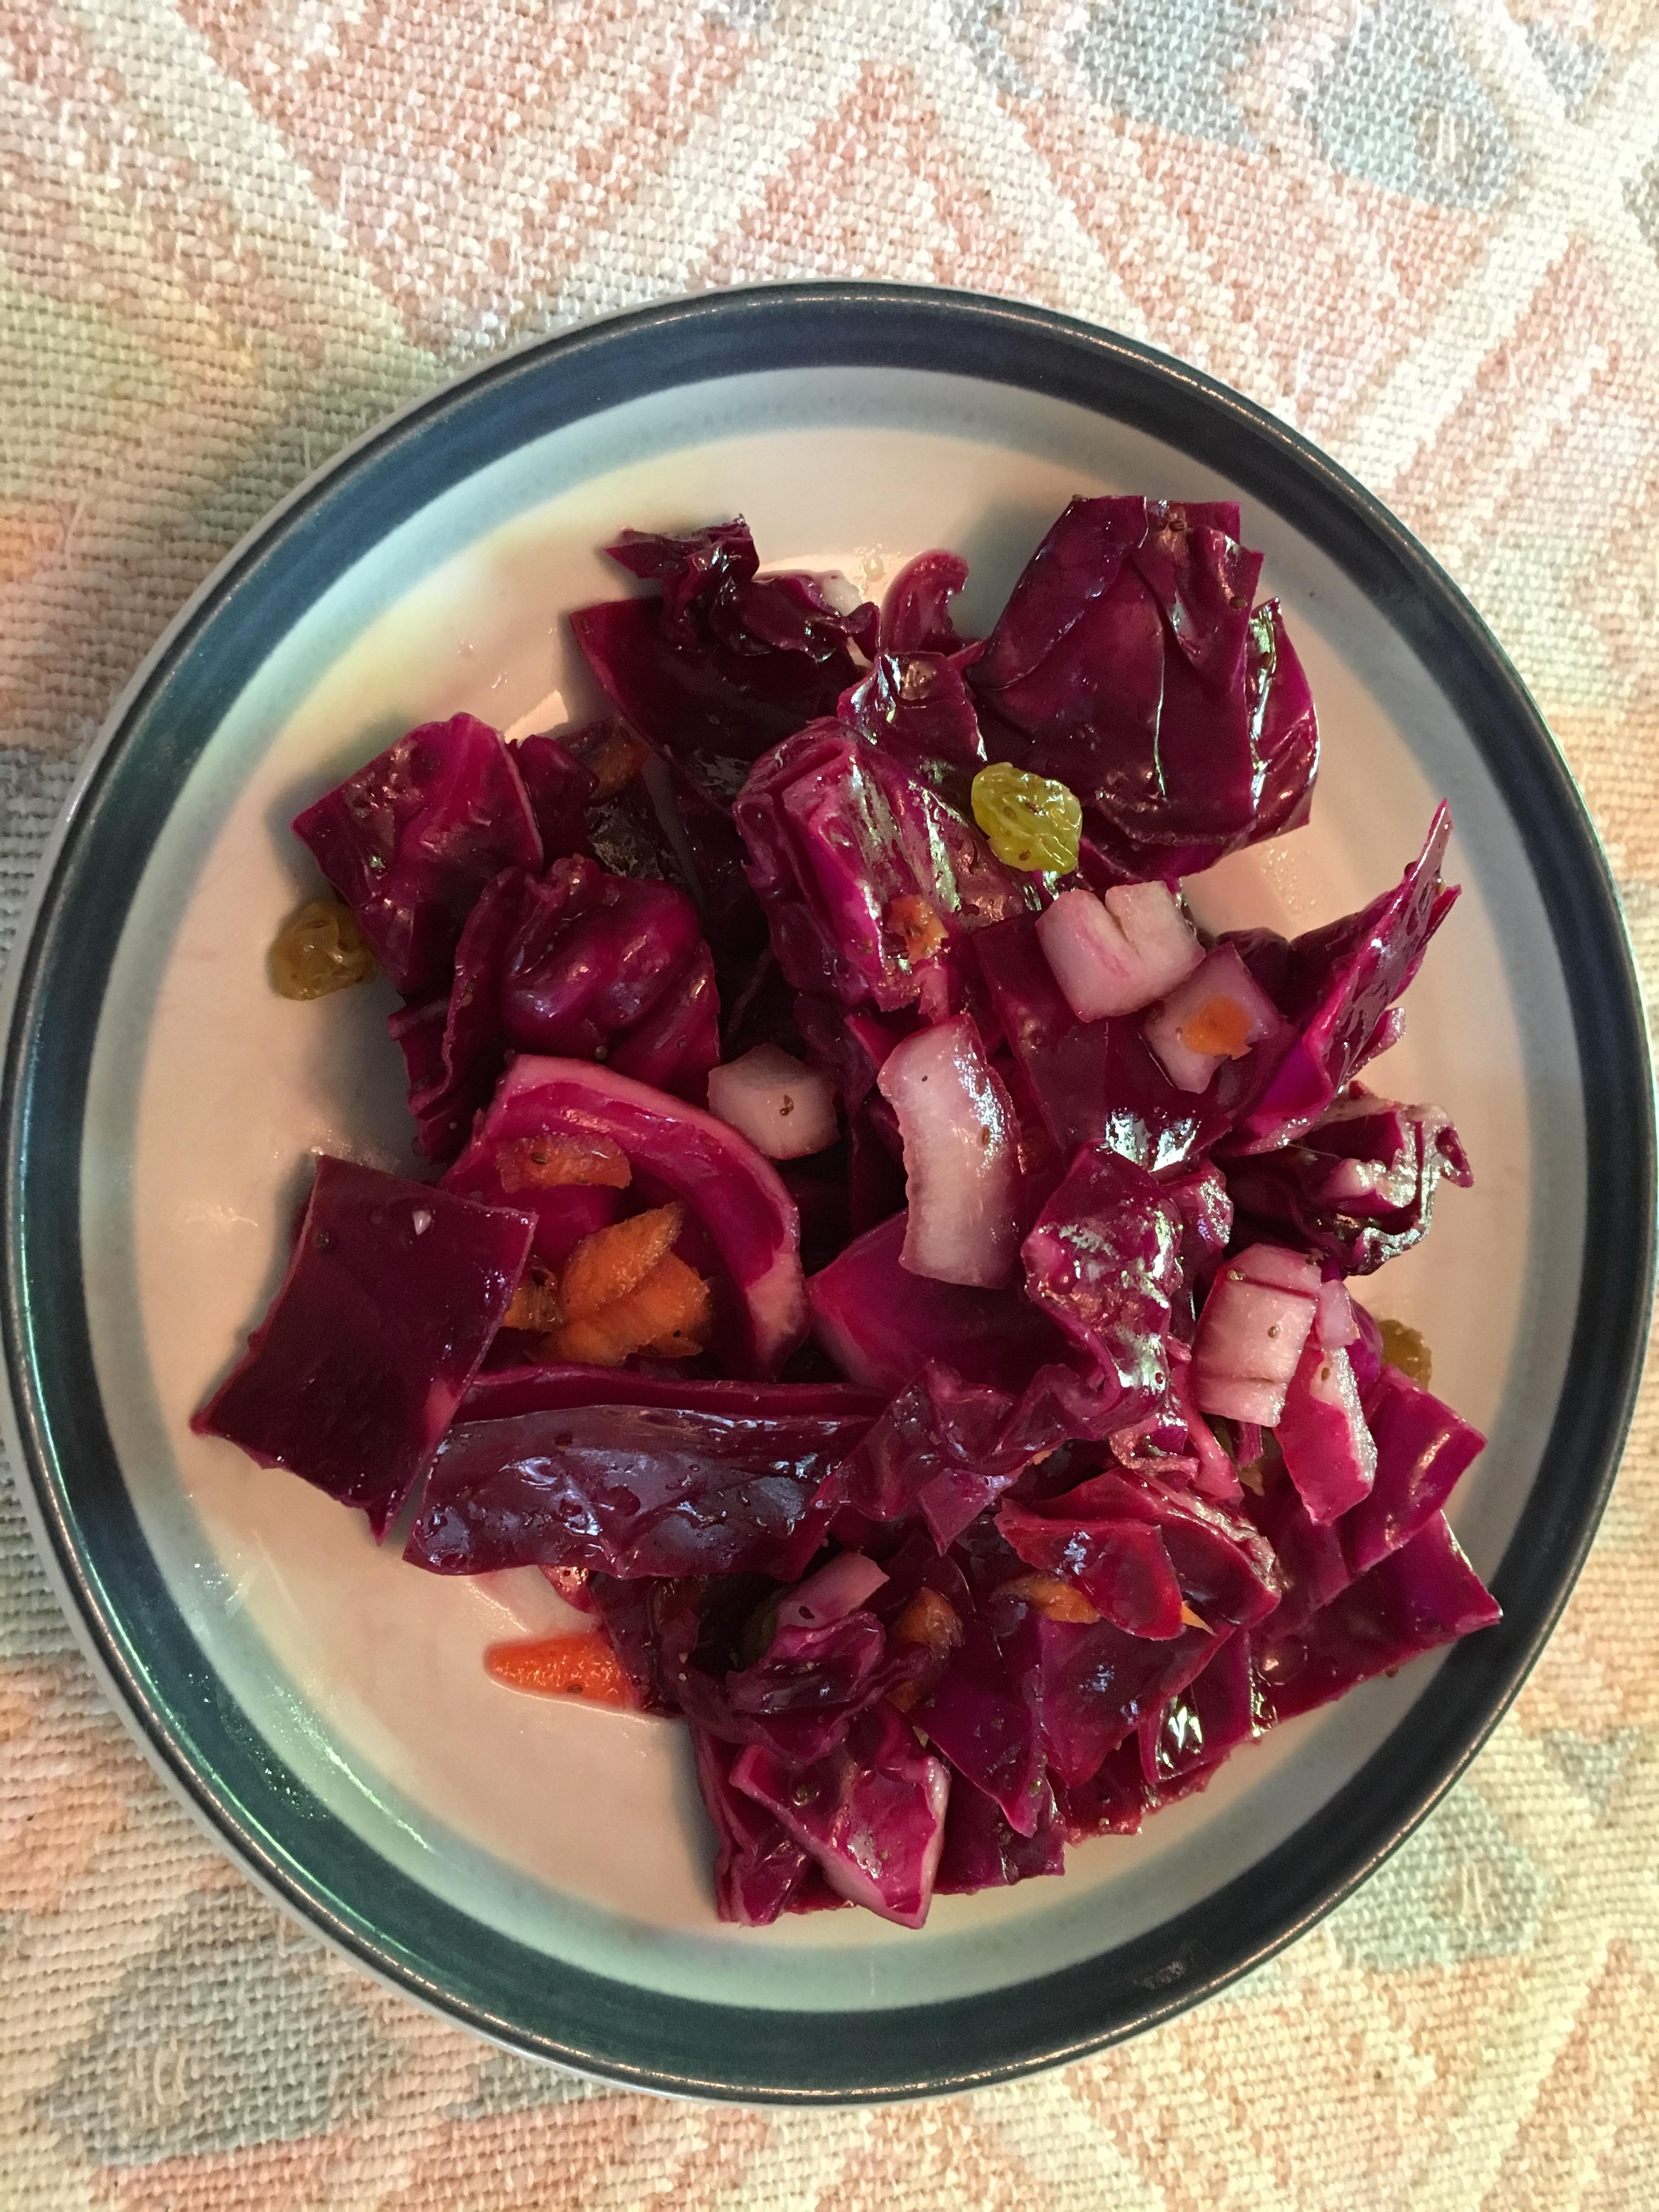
235	233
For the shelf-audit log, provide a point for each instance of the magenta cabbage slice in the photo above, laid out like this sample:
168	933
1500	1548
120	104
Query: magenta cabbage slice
982	1714
1103	1263
743	1228
1337	986
629	1489
559	788
837	831
917	706
1197	1728
760	1870
871	1814
725	662
1359	1187
410	841
881	1324
983	1851
915	613
582	964
1097	1684
1130	664
1094	1082
1413	1600
392	1296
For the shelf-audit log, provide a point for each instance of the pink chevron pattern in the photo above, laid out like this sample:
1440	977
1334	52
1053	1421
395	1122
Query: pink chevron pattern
235	232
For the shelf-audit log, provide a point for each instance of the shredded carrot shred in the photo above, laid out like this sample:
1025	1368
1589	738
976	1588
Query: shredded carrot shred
1219	1025
535	1303
917	926
670	1314
1191	1619
1058	1600
614	1260
544	1163
580	1666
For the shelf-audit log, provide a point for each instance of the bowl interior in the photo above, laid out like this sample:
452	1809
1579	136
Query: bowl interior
578	1833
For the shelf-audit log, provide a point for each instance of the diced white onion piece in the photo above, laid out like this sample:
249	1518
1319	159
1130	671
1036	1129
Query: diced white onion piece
1336	1325
831	1594
1218	1013
961	1155
1251	1333
1115	954
785	1110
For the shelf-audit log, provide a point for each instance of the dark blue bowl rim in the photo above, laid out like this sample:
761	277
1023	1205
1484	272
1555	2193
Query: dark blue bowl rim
193	1730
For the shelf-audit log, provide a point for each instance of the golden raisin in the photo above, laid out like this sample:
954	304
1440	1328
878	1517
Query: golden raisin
1032	823
931	1619
320	951
1404	1348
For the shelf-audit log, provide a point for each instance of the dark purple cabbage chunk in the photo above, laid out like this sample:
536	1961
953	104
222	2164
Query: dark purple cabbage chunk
392	1296
760	1870
560	787
1094	1082
583	965
628	1488
983	1851
836	831
410	841
1103	1263
915	613
871	1814
1359	1187
881	1324
1413	1600
1337	986
725	662
982	1714
1130	666
917	706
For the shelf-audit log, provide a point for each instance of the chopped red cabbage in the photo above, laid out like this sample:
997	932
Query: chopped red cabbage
915	614
872	881
871	1814
1130	666
1003	1584
410	841
1359	1185
725	661
1414	1599
1336	986
627	1488
746	1225
392	1296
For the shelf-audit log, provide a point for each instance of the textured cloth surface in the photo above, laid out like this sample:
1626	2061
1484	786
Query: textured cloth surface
234	232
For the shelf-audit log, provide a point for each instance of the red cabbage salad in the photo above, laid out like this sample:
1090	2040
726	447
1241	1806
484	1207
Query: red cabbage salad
879	1259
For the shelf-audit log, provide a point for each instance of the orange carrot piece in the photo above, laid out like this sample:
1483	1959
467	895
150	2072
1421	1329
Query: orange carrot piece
606	1265
1059	1599
580	1666
544	1163
535	1303
669	1314
1219	1025
917	926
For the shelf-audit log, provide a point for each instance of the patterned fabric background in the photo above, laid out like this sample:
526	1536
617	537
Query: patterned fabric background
235	232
